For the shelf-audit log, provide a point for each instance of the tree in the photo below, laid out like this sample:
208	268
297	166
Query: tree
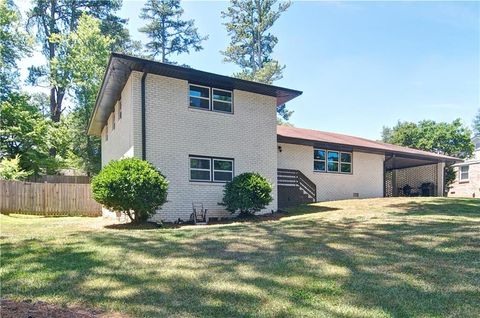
56	18
247	193
24	131
251	45
476	123
14	44
87	60
452	139
168	33
10	169
131	185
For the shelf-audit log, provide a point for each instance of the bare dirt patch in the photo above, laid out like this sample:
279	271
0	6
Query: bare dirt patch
39	309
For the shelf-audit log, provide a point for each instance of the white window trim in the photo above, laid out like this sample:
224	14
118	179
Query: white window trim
200	97
460	179
345	163
222	101
325	160
214	170
339	161
113	119
200	169
119	109
210	99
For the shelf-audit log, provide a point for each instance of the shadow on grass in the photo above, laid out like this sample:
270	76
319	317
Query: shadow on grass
298	267
441	206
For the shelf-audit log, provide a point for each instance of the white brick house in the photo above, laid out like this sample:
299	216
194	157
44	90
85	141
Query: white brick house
201	129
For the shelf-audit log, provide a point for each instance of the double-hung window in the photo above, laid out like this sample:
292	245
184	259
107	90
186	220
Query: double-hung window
210	169
464	173
199	97
221	100
113	120
119	109
213	99
345	162
319	159
106	132
332	161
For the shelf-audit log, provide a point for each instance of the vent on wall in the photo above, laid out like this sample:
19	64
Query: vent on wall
356	195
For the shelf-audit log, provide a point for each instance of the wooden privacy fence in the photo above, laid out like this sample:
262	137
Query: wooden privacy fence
50	199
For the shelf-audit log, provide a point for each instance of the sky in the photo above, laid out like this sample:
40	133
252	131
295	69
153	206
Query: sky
360	65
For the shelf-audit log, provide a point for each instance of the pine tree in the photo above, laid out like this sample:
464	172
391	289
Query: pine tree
168	33
251	45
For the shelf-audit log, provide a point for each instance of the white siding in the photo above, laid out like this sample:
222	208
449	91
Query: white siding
366	179
174	131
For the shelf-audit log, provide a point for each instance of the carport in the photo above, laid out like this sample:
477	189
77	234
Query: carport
407	175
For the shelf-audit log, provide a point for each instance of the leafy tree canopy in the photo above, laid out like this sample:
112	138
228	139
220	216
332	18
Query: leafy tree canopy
14	44
168	33
10	169
24	131
451	139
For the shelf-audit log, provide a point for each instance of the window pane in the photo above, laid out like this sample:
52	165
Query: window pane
199	163
222	165
346	157
319	154
319	165
197	91
222	107
346	167
222	176
332	156
464	168
200	175
332	166
221	95
199	103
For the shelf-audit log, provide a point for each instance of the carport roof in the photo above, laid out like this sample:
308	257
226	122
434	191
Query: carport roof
321	139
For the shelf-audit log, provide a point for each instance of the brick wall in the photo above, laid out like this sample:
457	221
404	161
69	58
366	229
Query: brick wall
120	139
175	131
366	179
470	188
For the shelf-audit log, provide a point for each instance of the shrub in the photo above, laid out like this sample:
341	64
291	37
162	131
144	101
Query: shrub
10	169
131	185
247	193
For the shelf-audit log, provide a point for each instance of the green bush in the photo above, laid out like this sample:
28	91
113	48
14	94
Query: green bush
131	185
247	193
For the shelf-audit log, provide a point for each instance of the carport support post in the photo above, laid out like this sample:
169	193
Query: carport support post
440	179
394	183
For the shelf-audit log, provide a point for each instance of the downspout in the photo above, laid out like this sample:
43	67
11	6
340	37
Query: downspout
144	143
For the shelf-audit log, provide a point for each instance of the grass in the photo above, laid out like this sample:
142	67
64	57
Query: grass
395	257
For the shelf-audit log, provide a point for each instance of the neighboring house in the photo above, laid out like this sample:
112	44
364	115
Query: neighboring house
201	129
467	182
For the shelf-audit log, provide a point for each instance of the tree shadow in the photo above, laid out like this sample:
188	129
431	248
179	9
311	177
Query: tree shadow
395	267
458	207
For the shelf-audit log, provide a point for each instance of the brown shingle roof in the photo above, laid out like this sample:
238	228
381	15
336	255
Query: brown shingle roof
355	142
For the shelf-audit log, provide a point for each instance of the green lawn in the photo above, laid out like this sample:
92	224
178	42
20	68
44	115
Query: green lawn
359	258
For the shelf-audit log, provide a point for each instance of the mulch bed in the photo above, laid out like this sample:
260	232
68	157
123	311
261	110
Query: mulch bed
40	309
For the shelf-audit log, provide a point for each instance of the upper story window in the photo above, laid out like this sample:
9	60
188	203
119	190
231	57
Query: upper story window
210	169
332	161
113	120
106	132
213	99
464	173
120	109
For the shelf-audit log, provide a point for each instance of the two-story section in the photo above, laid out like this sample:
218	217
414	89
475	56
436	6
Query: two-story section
199	129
